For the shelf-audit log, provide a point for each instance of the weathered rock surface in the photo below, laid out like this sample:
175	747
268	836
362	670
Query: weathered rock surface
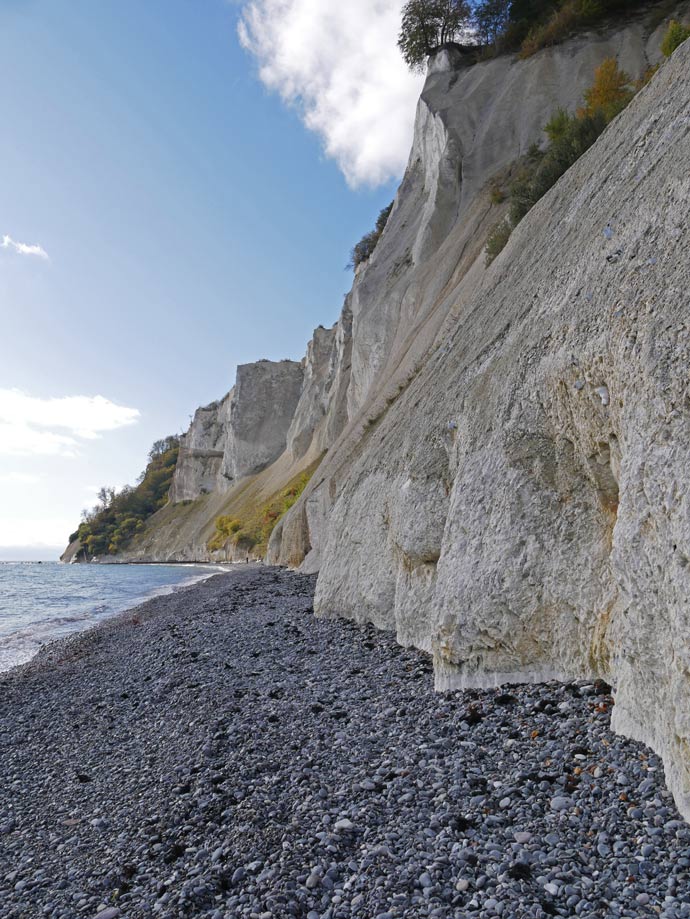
321	411
242	433
263	403
70	552
202	448
520	509
472	124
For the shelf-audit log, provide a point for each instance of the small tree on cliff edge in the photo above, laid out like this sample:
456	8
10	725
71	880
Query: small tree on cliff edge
427	25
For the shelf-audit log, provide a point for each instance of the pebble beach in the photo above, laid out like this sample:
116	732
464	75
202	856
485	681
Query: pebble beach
221	753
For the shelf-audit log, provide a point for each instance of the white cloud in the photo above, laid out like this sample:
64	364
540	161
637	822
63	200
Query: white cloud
31	426
23	248
338	61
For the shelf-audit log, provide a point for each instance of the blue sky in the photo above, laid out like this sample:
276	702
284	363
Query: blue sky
190	220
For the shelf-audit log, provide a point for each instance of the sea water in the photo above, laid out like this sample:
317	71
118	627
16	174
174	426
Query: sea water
41	601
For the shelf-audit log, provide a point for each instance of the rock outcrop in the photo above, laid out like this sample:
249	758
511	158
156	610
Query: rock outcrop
202	449
261	410
242	433
321	412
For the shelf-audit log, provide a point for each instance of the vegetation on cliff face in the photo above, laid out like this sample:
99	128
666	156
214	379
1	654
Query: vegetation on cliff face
250	529
428	25
111	525
498	26
555	22
364	248
570	135
676	34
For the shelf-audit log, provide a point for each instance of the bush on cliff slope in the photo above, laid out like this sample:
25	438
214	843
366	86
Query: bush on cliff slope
569	137
119	516
675	36
250	528
364	248
529	25
556	22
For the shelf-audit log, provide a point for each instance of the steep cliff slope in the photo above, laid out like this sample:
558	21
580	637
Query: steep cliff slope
473	122
520	510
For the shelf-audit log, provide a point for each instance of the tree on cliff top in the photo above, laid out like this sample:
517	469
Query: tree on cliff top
427	25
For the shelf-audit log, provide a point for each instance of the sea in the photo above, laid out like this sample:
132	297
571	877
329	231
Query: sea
42	601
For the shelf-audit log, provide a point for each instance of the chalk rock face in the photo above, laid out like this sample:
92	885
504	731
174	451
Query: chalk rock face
521	509
261	409
201	452
321	412
472	124
240	434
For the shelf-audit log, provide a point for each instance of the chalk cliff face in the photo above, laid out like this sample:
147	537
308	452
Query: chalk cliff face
506	447
472	123
261	409
242	433
520	509
202	448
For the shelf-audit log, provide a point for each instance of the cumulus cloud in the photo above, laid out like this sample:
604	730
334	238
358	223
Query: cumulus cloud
56	427
338	61
23	248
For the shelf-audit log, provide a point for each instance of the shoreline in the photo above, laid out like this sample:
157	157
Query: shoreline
22	628
220	752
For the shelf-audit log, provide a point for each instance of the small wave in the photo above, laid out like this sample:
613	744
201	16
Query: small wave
22	634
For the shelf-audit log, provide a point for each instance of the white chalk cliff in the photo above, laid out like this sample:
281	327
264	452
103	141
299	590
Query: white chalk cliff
506	447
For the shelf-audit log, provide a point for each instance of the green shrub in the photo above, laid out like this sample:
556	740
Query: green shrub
252	527
120	516
675	35
365	247
497	240
570	136
576	138
496	193
558	124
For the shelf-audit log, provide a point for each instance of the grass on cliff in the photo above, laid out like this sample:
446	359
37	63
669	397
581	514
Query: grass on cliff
675	35
120	516
250	528
527	26
570	135
560	20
